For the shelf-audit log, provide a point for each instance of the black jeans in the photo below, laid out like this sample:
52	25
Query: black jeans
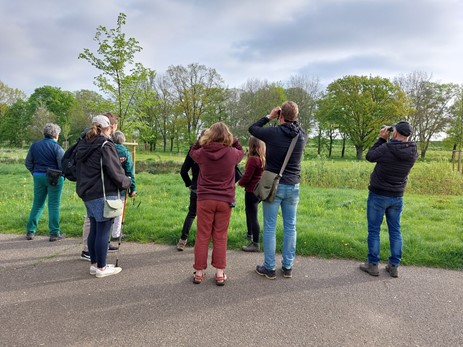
190	217
251	203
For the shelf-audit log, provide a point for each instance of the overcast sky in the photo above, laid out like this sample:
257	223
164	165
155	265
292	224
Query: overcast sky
242	39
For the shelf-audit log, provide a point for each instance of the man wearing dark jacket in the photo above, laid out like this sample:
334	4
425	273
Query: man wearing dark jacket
394	160
277	140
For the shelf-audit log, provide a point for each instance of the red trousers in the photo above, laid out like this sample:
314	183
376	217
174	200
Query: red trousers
213	218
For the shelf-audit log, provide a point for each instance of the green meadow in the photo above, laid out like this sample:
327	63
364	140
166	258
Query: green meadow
331	213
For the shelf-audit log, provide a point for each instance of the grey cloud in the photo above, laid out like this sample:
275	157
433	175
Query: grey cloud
346	25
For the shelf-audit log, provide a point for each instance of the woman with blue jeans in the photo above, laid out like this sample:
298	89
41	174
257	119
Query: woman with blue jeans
96	155
42	155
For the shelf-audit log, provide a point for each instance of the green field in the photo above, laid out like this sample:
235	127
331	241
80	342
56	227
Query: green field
331	215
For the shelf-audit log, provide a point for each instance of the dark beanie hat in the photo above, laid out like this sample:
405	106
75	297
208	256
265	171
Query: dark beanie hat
403	128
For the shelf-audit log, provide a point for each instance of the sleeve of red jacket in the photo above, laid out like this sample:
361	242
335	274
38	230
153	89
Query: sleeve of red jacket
251	166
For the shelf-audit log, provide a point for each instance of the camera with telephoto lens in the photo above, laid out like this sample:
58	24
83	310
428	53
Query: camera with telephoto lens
390	128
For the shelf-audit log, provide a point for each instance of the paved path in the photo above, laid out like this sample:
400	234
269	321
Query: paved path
48	298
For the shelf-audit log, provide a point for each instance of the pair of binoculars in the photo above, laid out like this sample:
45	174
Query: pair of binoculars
390	128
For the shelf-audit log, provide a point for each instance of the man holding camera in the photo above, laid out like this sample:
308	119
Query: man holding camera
394	160
278	140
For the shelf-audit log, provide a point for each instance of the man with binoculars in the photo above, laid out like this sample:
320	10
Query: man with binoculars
394	159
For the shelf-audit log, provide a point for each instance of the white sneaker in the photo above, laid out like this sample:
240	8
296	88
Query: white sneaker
108	271
93	268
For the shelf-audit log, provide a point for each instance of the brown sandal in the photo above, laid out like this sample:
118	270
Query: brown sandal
197	279
220	281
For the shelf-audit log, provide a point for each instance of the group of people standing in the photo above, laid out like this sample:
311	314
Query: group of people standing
216	153
212	161
102	174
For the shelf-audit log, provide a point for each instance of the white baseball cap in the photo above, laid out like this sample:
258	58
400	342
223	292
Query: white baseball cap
101	120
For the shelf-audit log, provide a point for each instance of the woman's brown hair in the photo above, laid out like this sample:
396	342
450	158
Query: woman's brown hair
257	148
218	132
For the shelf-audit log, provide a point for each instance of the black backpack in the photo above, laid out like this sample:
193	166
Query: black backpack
68	162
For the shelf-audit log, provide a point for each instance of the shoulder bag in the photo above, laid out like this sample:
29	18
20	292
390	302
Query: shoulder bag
267	186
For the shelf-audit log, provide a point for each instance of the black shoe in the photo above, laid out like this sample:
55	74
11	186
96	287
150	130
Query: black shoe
112	248
85	255
54	238
287	273
261	270
30	236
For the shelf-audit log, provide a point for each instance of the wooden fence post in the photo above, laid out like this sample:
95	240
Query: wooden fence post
134	146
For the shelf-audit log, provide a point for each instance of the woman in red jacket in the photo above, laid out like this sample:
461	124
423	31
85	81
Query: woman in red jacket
217	153
252	174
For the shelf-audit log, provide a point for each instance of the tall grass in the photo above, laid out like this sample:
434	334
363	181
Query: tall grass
426	177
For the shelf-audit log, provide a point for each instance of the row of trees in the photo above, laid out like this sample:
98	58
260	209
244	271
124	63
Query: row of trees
170	109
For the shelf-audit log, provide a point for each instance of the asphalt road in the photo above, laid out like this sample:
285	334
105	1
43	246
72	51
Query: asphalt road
48	298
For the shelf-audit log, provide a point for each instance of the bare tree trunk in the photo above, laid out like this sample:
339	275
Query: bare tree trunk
359	149
330	151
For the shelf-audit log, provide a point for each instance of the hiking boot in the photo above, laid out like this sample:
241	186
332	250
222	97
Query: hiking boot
181	244
287	273
85	256
252	247
94	268
107	271
112	248
371	269
261	270
393	270
30	236
54	238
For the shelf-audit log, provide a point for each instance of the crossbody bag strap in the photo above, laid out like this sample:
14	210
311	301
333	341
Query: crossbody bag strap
102	175
288	154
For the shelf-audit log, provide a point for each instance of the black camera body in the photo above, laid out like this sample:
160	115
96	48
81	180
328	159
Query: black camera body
390	128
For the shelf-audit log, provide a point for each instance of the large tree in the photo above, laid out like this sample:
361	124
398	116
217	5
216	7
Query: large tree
256	99
455	129
193	88
362	104
305	92
430	106
14	123
8	97
120	76
59	105
88	103
156	115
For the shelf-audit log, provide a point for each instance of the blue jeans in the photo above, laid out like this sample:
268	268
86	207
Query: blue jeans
98	241
287	196
377	207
